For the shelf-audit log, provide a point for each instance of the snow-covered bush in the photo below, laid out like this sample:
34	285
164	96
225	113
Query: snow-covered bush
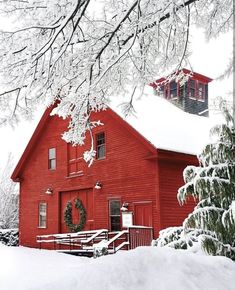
172	237
100	249
98	252
9	237
212	223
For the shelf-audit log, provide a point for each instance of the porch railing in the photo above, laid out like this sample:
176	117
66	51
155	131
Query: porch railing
87	241
140	236
73	240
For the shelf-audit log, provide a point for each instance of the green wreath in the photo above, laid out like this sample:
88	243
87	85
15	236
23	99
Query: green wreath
68	218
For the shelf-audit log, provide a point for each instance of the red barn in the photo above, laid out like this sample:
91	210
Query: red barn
133	172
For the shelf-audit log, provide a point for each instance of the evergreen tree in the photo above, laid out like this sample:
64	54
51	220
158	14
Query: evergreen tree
212	223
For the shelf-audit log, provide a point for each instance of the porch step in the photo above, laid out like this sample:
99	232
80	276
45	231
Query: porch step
80	253
122	245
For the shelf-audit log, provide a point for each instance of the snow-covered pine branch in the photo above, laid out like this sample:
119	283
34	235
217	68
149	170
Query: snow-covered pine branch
82	52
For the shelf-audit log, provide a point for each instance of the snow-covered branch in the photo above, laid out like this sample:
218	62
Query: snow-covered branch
82	52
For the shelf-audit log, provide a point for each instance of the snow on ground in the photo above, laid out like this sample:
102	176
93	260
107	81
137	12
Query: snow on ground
145	268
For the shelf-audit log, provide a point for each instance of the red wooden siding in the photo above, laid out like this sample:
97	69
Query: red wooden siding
171	168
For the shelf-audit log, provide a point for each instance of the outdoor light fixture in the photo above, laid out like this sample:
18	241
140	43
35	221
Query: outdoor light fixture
125	206
49	191
98	185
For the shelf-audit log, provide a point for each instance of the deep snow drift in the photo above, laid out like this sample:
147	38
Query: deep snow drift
145	268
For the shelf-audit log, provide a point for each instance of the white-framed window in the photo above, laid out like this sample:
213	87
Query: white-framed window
100	146
201	91
192	89
52	158
197	90
115	215
42	216
173	90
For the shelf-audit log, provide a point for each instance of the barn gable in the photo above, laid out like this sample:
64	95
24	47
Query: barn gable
46	119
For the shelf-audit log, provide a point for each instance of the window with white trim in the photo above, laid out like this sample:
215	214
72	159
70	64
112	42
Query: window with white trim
173	90
52	158
100	146
192	89
42	221
160	91
201	91
115	215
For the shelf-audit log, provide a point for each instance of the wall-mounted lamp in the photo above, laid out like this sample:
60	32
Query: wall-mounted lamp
125	206
49	191
98	185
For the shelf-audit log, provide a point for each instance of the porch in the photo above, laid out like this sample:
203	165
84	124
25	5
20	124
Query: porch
86	243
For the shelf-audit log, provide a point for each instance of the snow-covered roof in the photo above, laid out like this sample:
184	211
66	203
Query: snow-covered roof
166	126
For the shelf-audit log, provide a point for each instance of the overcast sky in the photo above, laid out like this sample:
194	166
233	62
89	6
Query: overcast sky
209	59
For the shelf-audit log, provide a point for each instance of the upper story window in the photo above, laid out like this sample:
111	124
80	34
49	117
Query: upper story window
192	89
52	158
181	91
42	221
169	90
161	90
173	90
197	90
201	91
166	91
100	146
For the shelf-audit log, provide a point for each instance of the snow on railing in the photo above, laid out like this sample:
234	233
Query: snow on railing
89	241
73	239
114	244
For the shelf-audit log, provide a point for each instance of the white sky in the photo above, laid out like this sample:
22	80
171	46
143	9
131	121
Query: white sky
209	59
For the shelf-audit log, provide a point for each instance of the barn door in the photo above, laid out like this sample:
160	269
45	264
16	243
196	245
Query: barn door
86	196
143	214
